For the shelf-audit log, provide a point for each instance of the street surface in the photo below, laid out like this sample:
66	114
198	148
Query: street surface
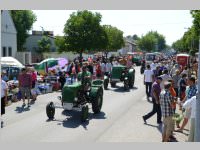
119	121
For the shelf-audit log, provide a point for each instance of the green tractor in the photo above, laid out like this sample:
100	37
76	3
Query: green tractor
120	73
78	96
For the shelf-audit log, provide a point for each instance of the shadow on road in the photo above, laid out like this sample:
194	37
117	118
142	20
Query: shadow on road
159	127
73	119
21	109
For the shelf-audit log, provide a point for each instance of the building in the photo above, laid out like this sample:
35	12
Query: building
130	46
31	44
8	35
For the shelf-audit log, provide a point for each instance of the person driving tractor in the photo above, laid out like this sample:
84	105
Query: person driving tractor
85	77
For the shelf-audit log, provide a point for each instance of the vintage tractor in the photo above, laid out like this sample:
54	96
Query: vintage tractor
78	96
120	73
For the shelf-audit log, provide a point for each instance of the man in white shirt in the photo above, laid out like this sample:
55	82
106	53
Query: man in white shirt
103	67
191	104
108	67
4	89
148	80
165	77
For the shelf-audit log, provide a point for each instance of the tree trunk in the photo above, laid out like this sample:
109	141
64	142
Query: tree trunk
81	58
106	54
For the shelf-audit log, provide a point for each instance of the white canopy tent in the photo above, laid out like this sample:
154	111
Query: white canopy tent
11	61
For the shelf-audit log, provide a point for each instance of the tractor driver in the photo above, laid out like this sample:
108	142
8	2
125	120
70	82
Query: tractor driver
85	77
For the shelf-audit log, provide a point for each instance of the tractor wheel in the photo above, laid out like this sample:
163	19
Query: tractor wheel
105	84
126	85
131	82
113	84
97	103
50	110
84	113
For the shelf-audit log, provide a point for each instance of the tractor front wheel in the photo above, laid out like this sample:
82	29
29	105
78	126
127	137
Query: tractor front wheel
97	102
50	110
84	113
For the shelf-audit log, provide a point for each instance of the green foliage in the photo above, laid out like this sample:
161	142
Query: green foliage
44	44
84	32
196	22
115	38
23	20
60	43
152	41
190	41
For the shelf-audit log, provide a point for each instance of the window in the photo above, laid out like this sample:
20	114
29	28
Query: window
10	51
4	52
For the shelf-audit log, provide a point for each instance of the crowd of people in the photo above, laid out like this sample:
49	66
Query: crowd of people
170	85
167	83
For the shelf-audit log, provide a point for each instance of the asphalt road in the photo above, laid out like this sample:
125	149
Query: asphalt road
119	121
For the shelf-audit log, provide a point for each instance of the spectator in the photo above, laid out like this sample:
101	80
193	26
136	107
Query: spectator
182	86
98	70
166	104
192	90
4	76
156	101
165	77
62	80
148	80
4	91
25	85
176	77
191	104
108	68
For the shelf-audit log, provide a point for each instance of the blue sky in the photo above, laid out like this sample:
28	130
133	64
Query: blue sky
170	23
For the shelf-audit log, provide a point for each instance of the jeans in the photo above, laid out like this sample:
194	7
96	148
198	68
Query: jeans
156	109
148	88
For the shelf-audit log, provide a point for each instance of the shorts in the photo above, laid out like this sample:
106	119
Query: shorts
187	113
25	91
3	104
168	125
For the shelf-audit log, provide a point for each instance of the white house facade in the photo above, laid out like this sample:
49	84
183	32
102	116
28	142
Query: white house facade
8	35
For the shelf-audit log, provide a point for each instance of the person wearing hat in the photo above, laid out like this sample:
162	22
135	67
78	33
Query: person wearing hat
156	101
167	111
84	75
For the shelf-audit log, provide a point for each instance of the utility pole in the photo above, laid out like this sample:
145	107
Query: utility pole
197	119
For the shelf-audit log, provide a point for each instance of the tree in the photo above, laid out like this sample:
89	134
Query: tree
23	20
152	41
188	43
44	44
115	38
60	43
83	32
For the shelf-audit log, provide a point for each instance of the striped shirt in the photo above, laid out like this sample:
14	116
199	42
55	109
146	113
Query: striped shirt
165	103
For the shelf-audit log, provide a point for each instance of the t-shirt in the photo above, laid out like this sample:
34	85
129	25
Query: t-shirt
103	67
108	67
165	77
148	75
25	80
4	86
